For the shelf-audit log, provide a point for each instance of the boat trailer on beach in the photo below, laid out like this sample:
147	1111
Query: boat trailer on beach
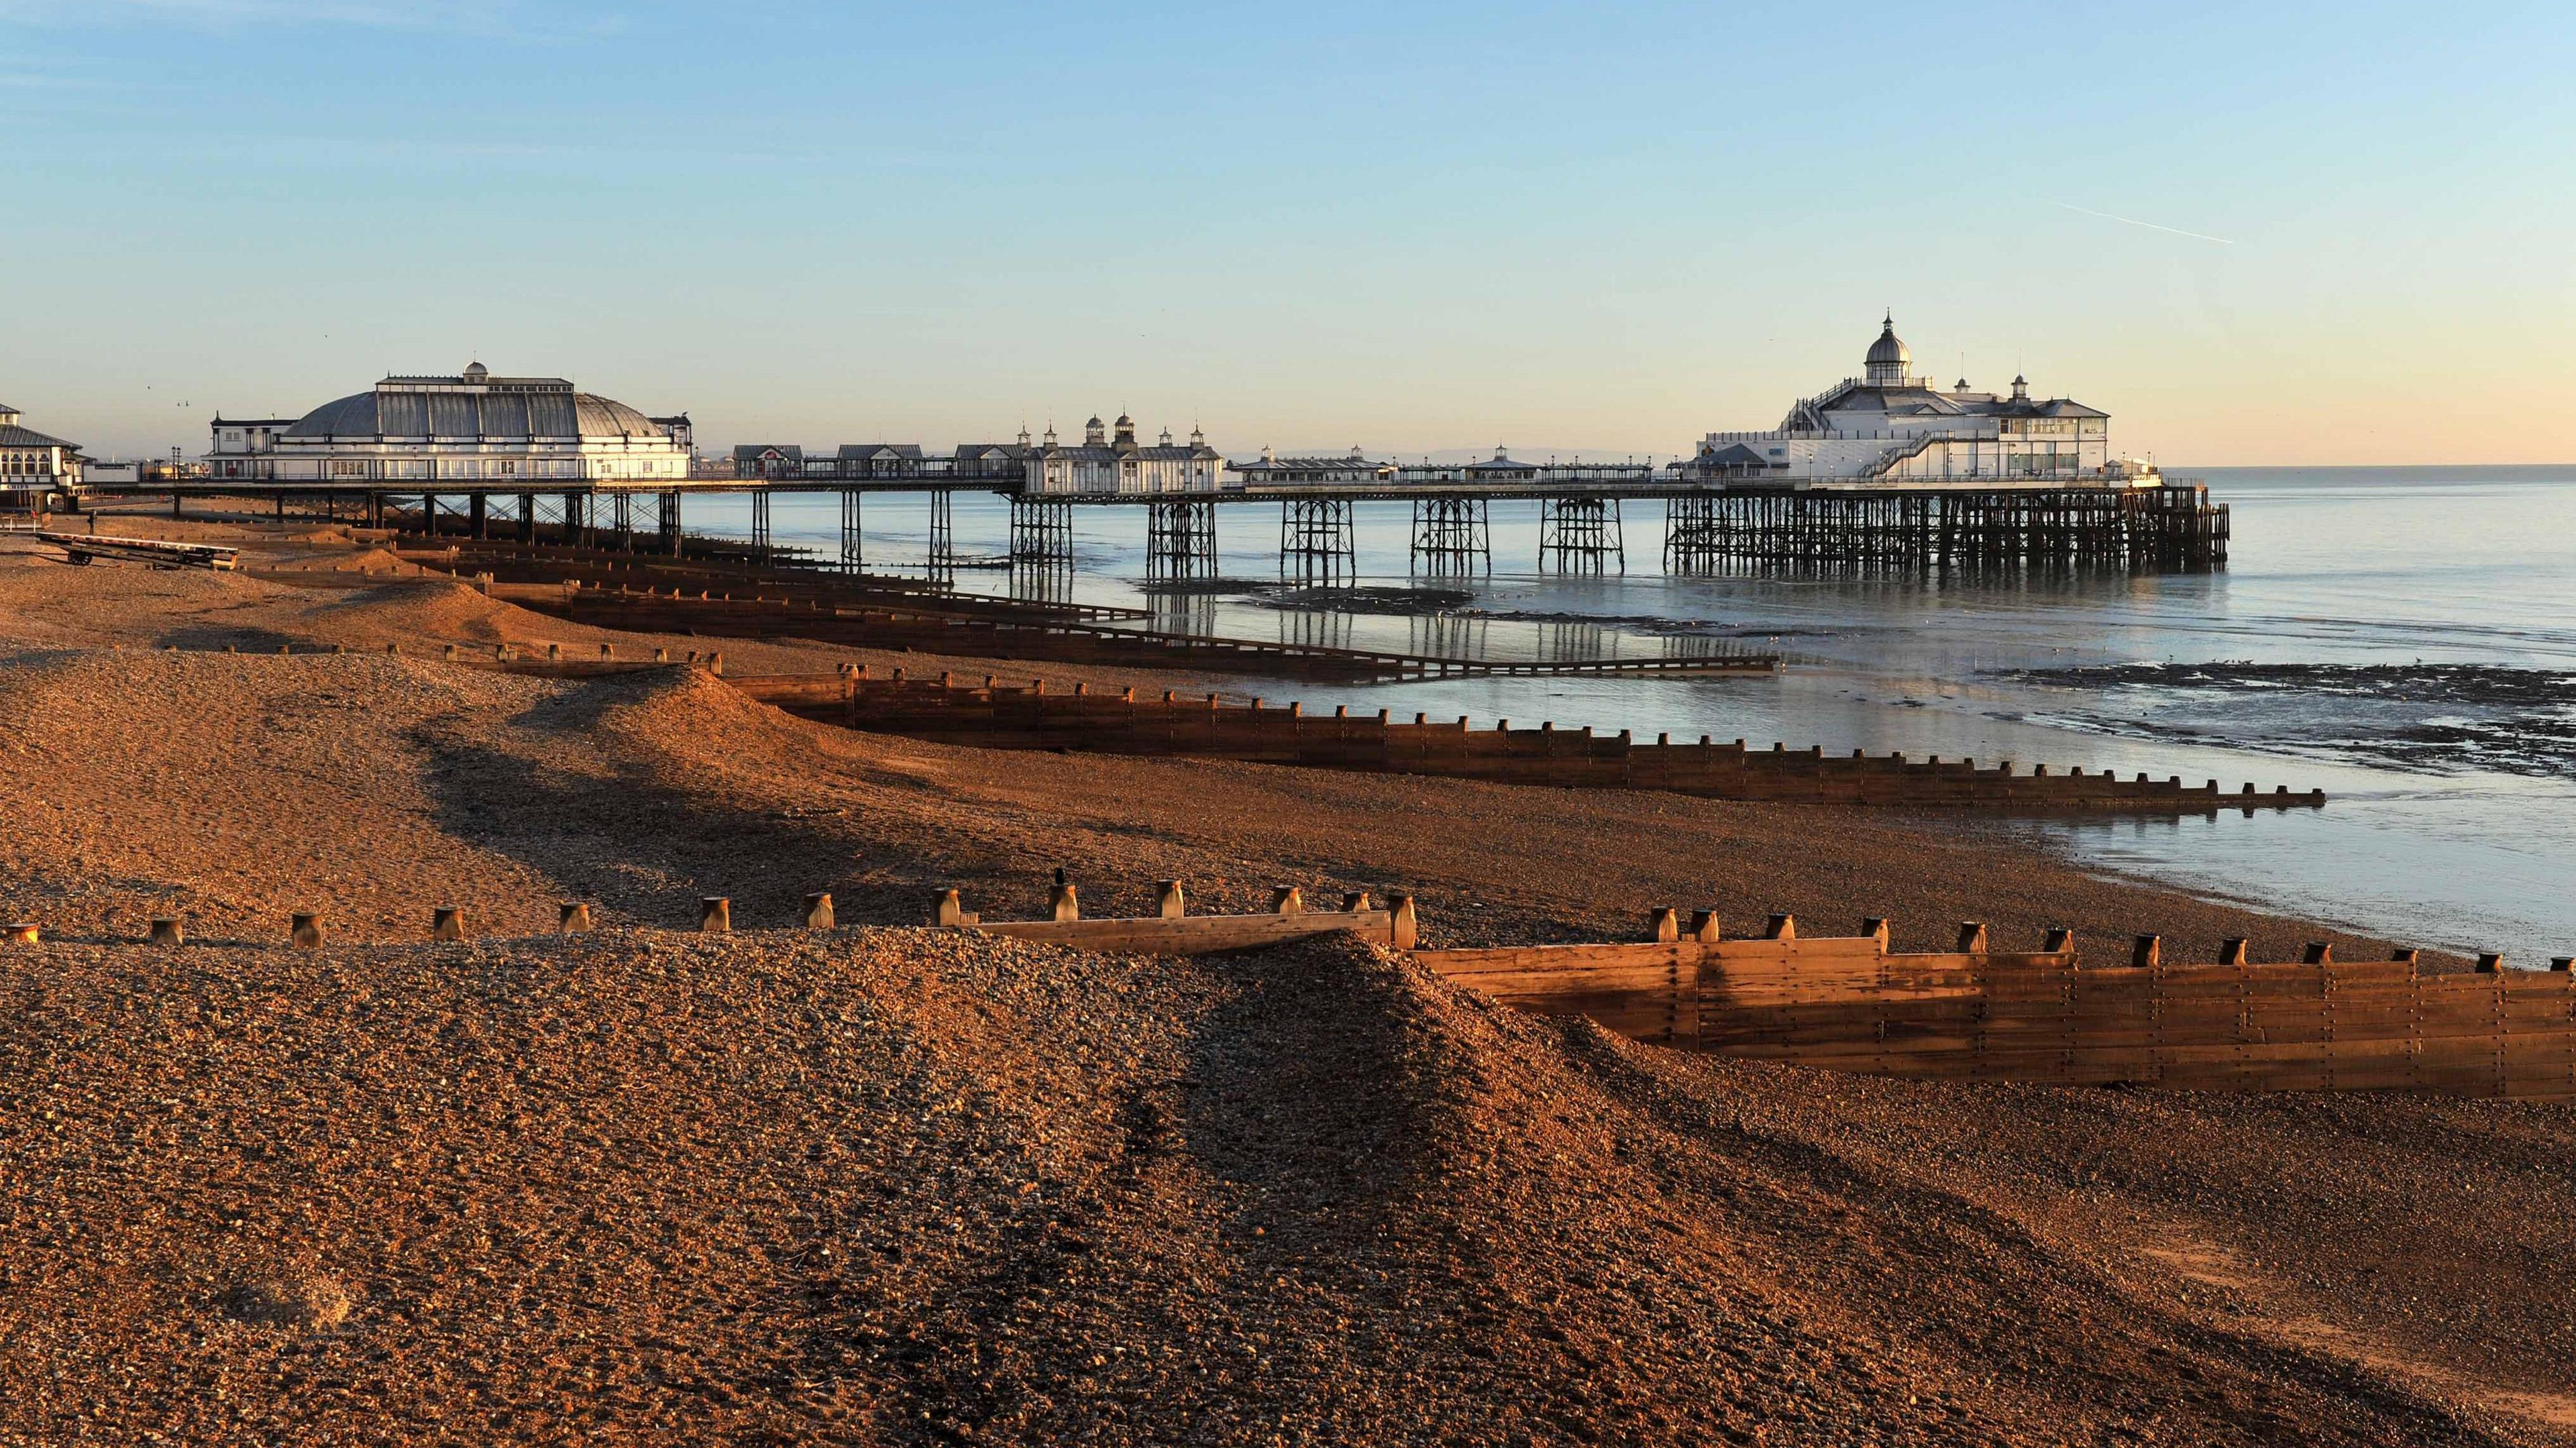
81	548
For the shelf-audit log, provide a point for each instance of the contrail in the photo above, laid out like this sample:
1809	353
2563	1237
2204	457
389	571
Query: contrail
2150	225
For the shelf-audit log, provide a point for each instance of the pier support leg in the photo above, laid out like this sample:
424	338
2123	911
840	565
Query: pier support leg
941	560
1315	540
1580	535
760	550
623	520
667	520
1694	545
1042	531
527	517
851	560
478	523
1180	541
1451	537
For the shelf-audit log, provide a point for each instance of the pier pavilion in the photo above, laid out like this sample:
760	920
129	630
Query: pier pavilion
472	428
1889	428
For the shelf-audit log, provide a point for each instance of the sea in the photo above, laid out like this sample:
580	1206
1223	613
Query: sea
2403	638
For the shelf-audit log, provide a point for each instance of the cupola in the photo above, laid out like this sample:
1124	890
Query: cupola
1888	357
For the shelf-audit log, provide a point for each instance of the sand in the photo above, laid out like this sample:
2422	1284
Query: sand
908	1186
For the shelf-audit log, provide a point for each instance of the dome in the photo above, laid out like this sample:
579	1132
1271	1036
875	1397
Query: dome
542	415
1888	357
1889	347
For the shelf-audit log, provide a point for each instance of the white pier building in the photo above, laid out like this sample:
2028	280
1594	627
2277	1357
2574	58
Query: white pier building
472	426
33	464
1889	428
1103	464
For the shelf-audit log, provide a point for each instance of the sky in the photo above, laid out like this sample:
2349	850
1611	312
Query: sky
2254	234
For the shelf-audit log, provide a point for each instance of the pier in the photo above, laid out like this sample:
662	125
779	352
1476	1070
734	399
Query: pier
1708	529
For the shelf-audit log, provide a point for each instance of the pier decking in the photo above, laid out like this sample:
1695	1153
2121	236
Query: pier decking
2172	527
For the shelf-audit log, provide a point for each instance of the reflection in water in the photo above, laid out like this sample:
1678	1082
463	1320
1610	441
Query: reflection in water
1042	581
1563	641
1447	636
1186	613
1315	628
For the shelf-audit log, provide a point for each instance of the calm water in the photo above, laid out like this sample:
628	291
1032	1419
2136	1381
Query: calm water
2404	638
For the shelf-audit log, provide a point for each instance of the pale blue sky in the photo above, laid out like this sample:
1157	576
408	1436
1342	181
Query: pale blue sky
1410	226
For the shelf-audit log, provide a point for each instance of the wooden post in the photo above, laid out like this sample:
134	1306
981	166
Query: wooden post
2490	963
1354	901
1780	927
2407	958
446	922
1170	901
2147	952
947	911
304	931
2231	951
572	917
1287	900
165	931
1972	937
1703	926
1663	926
1405	927
20	932
2318	952
715	914
818	911
1064	903
448	652
2058	941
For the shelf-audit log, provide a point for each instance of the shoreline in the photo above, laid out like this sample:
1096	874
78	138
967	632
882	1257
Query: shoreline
1546	864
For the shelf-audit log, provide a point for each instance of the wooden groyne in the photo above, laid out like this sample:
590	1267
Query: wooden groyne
2046	1017
630	573
994	715
1970	1013
990	630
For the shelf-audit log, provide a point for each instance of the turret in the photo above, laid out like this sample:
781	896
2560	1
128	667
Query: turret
1888	358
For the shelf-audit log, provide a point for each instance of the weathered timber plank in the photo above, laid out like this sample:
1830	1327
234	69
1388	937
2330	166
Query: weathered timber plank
1193	935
